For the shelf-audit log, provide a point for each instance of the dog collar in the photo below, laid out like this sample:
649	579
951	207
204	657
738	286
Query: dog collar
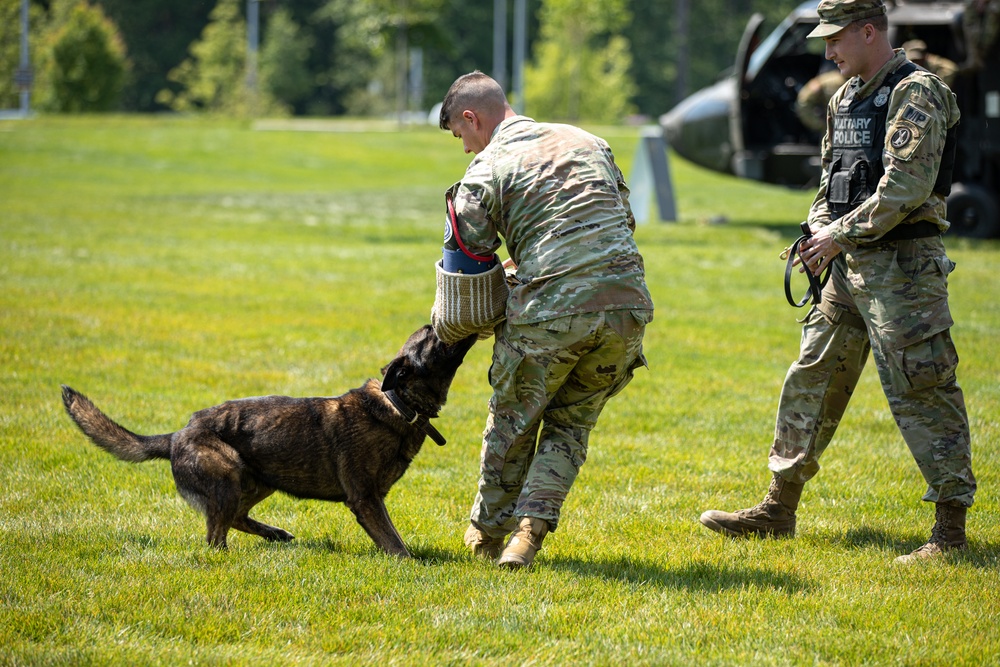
414	418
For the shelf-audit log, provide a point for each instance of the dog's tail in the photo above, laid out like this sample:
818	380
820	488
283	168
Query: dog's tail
110	436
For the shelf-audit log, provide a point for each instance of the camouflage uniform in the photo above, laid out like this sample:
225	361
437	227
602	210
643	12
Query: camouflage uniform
890	297
576	315
981	25
810	104
945	69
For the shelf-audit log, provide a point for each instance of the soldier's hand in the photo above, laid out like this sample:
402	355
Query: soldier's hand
818	251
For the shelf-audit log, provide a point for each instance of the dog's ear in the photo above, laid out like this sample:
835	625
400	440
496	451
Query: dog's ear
393	372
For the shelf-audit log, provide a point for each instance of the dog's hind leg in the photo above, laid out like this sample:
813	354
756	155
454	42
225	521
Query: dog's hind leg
216	531
374	518
253	493
208	474
269	533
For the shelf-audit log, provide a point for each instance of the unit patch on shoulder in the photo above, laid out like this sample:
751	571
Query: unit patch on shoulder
915	116
900	137
904	140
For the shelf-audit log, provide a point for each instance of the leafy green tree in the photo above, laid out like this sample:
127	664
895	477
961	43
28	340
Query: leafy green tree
654	48
10	51
355	62
371	51
283	60
580	69
83	63
213	77
712	33
360	44
157	34
467	44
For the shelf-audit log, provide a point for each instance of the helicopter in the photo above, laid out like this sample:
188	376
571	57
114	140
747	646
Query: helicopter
746	124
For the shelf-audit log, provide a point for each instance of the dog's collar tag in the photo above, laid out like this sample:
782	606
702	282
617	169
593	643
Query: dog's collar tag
413	418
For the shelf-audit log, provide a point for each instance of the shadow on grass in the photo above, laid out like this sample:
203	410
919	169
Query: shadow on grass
424	555
327	544
695	576
979	554
698	576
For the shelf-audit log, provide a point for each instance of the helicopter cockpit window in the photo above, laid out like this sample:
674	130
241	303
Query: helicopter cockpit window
780	67
766	48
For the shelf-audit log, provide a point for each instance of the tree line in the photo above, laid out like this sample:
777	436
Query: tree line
594	60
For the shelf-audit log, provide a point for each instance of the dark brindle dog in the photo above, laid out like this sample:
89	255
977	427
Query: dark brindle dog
348	449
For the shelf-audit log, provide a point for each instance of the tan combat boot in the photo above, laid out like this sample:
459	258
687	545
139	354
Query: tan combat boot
524	543
772	517
948	534
481	544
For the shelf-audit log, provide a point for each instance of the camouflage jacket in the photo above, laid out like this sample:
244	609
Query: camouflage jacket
810	105
556	197
905	193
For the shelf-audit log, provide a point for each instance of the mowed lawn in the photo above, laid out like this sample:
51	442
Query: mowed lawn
161	265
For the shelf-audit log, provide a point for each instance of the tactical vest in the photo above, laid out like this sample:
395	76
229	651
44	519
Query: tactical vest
858	142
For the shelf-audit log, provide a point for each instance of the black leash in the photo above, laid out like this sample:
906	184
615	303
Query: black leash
414	418
814	292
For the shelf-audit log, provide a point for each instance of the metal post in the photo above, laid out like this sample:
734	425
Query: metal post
401	67
416	88
650	179
253	25
520	51
24	72
500	42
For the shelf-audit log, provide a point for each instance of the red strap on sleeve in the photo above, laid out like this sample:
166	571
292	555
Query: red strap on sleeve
453	221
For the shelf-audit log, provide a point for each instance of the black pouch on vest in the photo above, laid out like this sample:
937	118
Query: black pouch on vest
838	190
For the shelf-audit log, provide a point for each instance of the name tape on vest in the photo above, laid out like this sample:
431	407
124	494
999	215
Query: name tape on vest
852	131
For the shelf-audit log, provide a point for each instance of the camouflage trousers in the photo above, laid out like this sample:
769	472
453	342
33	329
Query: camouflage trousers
550	382
890	299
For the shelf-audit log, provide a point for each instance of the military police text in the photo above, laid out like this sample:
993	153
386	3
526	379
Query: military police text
852	131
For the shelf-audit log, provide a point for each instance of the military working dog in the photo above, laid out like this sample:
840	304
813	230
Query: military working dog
350	448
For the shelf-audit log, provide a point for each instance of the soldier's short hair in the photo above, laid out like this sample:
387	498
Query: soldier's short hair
474	90
880	23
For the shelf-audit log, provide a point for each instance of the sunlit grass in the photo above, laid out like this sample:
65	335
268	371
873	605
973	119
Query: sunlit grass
162	265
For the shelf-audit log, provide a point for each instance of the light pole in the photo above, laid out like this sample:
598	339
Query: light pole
500	42
520	48
24	76
253	40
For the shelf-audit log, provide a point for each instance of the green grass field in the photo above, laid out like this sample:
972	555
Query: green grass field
162	265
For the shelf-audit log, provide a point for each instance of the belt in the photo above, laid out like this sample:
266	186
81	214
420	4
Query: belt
921	229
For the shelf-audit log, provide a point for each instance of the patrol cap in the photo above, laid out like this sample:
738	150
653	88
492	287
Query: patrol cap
835	15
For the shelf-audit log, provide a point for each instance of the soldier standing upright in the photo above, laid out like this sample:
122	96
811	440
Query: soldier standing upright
877	221
576	313
810	103
981	25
